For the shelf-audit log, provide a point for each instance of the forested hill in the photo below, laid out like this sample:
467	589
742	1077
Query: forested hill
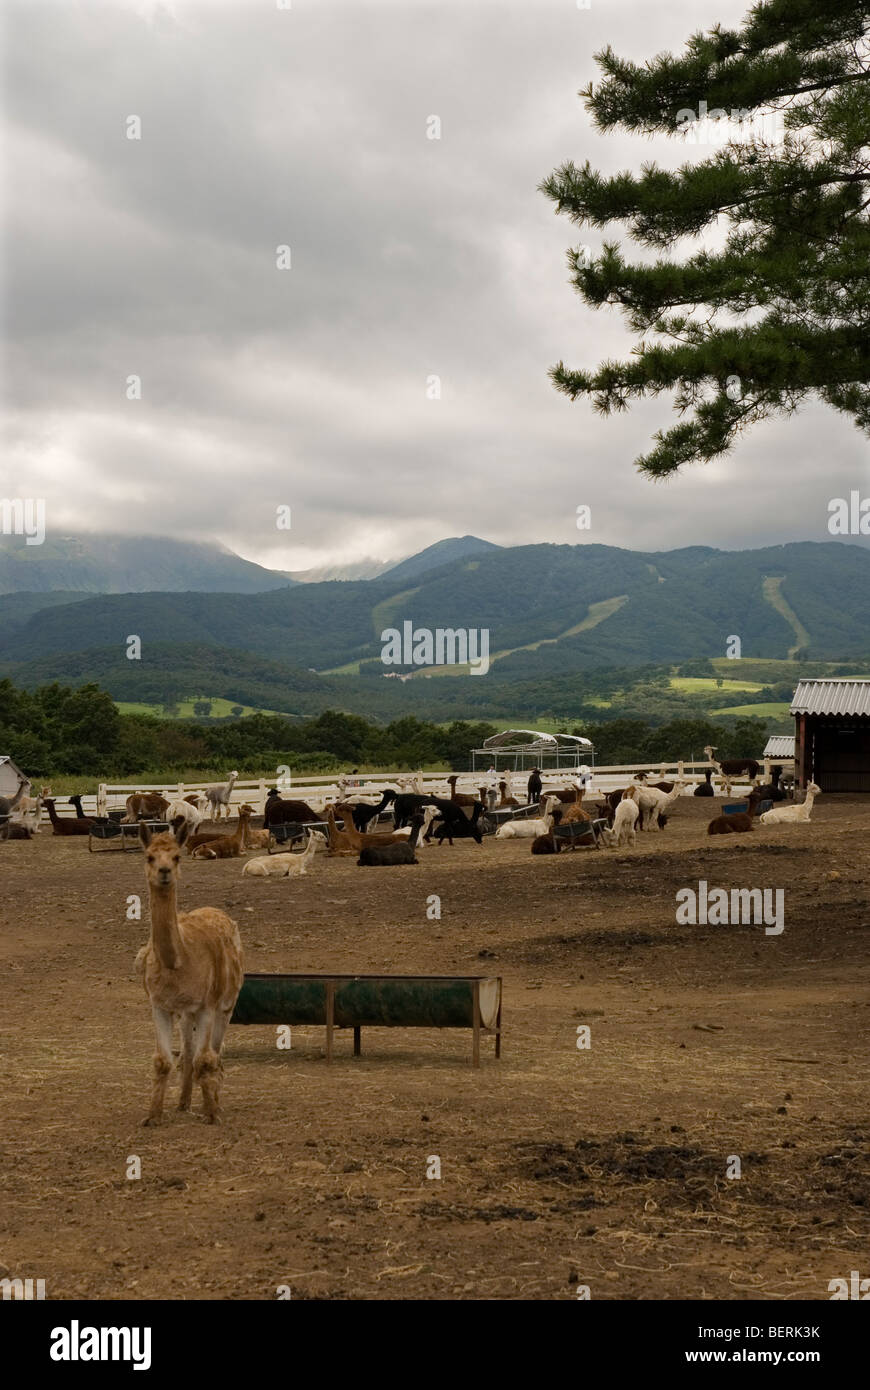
549	609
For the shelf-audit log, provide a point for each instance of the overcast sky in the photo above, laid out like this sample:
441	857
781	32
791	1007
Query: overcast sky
410	258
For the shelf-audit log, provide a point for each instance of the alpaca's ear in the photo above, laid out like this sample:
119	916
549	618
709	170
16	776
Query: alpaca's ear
181	833
144	833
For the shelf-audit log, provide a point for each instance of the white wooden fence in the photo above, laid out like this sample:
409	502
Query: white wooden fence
113	796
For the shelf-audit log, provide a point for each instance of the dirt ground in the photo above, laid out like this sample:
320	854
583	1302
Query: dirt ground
606	1167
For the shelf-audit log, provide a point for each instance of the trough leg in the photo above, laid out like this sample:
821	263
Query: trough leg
357	1042
475	1050
330	1017
498	1022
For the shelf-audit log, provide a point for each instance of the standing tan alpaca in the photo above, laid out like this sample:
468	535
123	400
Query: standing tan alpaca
192	970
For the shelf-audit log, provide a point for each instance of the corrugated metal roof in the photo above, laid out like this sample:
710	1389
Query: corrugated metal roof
779	746
832	697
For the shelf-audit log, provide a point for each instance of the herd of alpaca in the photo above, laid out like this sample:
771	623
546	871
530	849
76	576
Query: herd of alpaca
192	965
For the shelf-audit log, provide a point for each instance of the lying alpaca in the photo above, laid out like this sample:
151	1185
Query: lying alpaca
338	840
226	846
283	865
548	844
372	856
793	815
739	822
529	829
70	825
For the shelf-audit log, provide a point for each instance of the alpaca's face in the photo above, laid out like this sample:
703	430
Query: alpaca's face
162	858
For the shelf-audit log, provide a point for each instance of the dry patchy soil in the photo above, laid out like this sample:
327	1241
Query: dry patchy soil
605	1167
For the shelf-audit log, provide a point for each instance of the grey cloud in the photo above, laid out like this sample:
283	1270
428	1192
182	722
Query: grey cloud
410	257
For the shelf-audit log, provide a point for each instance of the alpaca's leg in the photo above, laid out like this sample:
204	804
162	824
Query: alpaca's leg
187	1051
162	1063
206	1067
218	1032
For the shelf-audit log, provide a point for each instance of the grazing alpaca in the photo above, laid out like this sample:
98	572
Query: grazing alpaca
793	815
283	865
381	856
218	797
739	822
363	814
7	807
279	812
184	808
145	806
225	846
192	971
623	831
70	825
462	829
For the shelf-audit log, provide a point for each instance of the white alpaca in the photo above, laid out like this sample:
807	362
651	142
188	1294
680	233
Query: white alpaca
219	795
793	815
188	813
529	829
652	802
282	865
624	830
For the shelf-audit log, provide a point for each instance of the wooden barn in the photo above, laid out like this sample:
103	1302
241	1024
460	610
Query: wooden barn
9	777
832	734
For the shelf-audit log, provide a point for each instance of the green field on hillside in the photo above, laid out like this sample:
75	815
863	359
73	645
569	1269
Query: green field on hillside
773	710
694	685
220	709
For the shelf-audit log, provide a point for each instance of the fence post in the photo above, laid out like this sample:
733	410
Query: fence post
262	796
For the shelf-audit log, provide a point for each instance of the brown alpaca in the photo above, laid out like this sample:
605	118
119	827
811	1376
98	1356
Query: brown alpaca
567	794
145	806
254	839
366	839
338	841
192	971
205	837
461	798
70	825
575	811
738	823
503	799
226	846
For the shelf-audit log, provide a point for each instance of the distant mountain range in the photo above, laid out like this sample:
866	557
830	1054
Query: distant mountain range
97	564
102	564
551	611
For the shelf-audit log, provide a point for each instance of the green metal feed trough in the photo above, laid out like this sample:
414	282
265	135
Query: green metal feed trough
383	1001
